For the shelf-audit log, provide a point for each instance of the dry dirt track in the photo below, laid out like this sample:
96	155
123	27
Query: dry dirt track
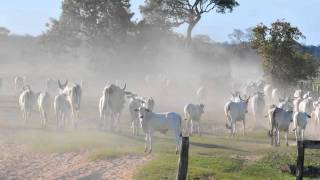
17	163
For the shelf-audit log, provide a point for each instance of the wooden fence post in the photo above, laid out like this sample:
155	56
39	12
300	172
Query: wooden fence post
183	160
300	160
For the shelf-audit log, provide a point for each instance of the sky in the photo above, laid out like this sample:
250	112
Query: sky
29	17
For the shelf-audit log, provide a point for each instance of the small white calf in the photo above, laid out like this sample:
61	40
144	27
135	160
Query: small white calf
135	103
300	120
44	105
192	113
62	109
162	122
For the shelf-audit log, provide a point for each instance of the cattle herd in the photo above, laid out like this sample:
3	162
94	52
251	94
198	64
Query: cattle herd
280	109
263	100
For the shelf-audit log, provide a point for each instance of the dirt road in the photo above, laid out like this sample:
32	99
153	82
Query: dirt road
16	162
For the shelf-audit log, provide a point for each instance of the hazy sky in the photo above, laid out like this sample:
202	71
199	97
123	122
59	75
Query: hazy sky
30	16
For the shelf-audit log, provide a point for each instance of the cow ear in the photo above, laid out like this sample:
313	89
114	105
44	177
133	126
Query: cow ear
148	110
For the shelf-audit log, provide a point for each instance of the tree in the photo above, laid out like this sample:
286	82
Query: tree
278	46
172	13
98	22
4	31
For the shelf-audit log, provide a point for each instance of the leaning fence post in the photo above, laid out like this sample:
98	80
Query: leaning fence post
300	161
183	159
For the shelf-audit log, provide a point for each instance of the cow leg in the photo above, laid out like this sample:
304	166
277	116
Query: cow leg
111	122
199	128
57	119
234	129
244	127
118	122
191	127
45	120
278	137
302	135
150	141
177	136
296	134
146	142
286	136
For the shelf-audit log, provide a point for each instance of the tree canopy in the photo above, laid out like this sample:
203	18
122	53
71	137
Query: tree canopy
172	13
278	45
98	22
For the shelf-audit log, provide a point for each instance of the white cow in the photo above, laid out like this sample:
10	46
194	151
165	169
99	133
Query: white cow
258	106
296	103
300	120
73	92
112	102
44	105
316	113
27	100
62	109
236	111
306	105
275	95
162	122
279	120
267	90
192	113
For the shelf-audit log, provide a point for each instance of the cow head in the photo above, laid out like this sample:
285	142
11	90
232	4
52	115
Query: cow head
201	108
143	113
62	86
245	103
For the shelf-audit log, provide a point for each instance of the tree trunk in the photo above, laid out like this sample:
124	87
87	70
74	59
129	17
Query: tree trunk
191	25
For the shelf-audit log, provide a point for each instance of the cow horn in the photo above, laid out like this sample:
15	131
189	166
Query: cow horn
125	86
240	97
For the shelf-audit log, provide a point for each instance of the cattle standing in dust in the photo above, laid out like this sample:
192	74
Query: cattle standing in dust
236	111
193	114
27	100
267	90
44	105
62	109
73	93
161	122
279	120
258	106
300	120
112	102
